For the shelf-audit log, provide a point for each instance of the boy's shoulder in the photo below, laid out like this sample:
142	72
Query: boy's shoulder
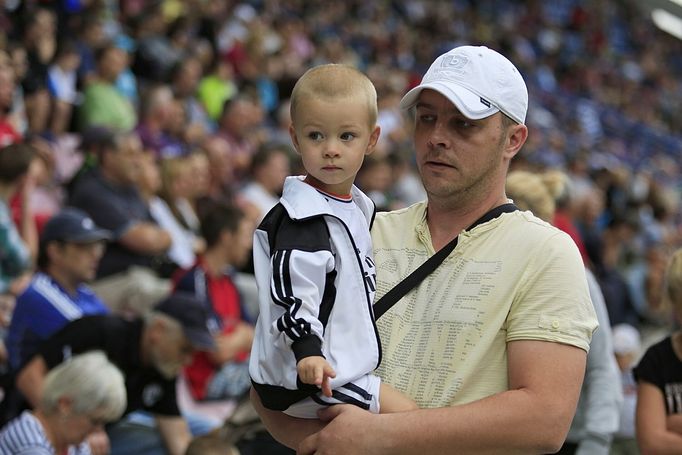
285	232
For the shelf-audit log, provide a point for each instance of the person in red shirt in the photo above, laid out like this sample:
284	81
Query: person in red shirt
222	373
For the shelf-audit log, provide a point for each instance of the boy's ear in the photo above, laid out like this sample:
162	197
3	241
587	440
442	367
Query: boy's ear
294	139
373	139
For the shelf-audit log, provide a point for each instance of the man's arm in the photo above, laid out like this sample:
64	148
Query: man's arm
533	416
175	433
287	430
146	238
31	378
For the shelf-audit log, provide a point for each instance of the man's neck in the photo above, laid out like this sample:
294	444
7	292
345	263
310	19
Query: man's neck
446	221
215	261
111	178
67	284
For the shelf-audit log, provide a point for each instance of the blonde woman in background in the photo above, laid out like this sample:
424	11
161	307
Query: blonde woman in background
80	396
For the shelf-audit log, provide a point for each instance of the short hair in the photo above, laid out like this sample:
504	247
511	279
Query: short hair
335	81
265	151
91	381
220	218
43	260
15	159
673	279
529	192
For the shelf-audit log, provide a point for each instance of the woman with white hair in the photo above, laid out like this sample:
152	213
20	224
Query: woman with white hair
79	397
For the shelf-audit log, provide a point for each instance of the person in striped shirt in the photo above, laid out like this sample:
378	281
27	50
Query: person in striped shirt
80	396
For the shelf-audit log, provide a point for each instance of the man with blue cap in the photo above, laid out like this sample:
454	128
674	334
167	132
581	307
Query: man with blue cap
71	246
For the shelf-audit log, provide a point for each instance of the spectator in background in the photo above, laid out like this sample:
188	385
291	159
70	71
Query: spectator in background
627	347
375	179
216	88
16	245
79	397
659	374
176	189
71	246
224	372
155	123
19	63
90	36
270	166
40	41
62	83
185	79
9	133
150	352
200	170
238	123
406	189
184	243
597	415
126	280
222	186
103	104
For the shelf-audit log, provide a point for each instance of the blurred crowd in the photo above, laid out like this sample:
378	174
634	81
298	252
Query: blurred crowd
146	115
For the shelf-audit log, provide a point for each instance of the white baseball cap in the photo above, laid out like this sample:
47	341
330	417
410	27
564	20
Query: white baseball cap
478	80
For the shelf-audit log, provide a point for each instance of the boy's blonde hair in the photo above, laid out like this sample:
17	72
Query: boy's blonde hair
335	81
673	280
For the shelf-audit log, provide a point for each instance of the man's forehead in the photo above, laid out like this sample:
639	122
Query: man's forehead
432	99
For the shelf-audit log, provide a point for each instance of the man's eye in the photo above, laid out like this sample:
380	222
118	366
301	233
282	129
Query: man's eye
427	118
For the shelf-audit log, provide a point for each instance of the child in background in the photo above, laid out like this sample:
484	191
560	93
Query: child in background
316	342
659	379
626	347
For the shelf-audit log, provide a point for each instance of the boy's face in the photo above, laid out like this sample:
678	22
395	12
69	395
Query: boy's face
333	137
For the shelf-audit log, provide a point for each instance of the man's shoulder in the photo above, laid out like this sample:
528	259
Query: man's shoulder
90	185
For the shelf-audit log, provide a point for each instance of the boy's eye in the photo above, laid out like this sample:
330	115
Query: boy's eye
347	136
315	135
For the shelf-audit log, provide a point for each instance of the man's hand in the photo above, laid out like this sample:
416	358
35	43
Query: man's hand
316	370
99	442
349	431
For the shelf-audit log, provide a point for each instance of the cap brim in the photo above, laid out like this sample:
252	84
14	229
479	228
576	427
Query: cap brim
468	103
200	339
97	235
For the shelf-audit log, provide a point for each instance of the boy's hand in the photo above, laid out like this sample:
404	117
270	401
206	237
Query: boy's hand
316	370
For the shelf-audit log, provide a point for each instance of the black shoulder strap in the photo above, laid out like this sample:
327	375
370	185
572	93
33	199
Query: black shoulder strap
416	277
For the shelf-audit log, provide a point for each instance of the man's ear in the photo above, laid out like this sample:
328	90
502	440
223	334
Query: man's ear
373	139
294	139
517	136
52	250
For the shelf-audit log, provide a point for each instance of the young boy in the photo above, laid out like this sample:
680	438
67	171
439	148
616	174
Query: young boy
316	341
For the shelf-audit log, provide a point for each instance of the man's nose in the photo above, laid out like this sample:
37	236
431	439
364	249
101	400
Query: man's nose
439	136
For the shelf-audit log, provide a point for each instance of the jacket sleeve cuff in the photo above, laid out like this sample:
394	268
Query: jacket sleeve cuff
307	346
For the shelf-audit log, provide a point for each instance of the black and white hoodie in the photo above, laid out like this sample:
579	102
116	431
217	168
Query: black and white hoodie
316	283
